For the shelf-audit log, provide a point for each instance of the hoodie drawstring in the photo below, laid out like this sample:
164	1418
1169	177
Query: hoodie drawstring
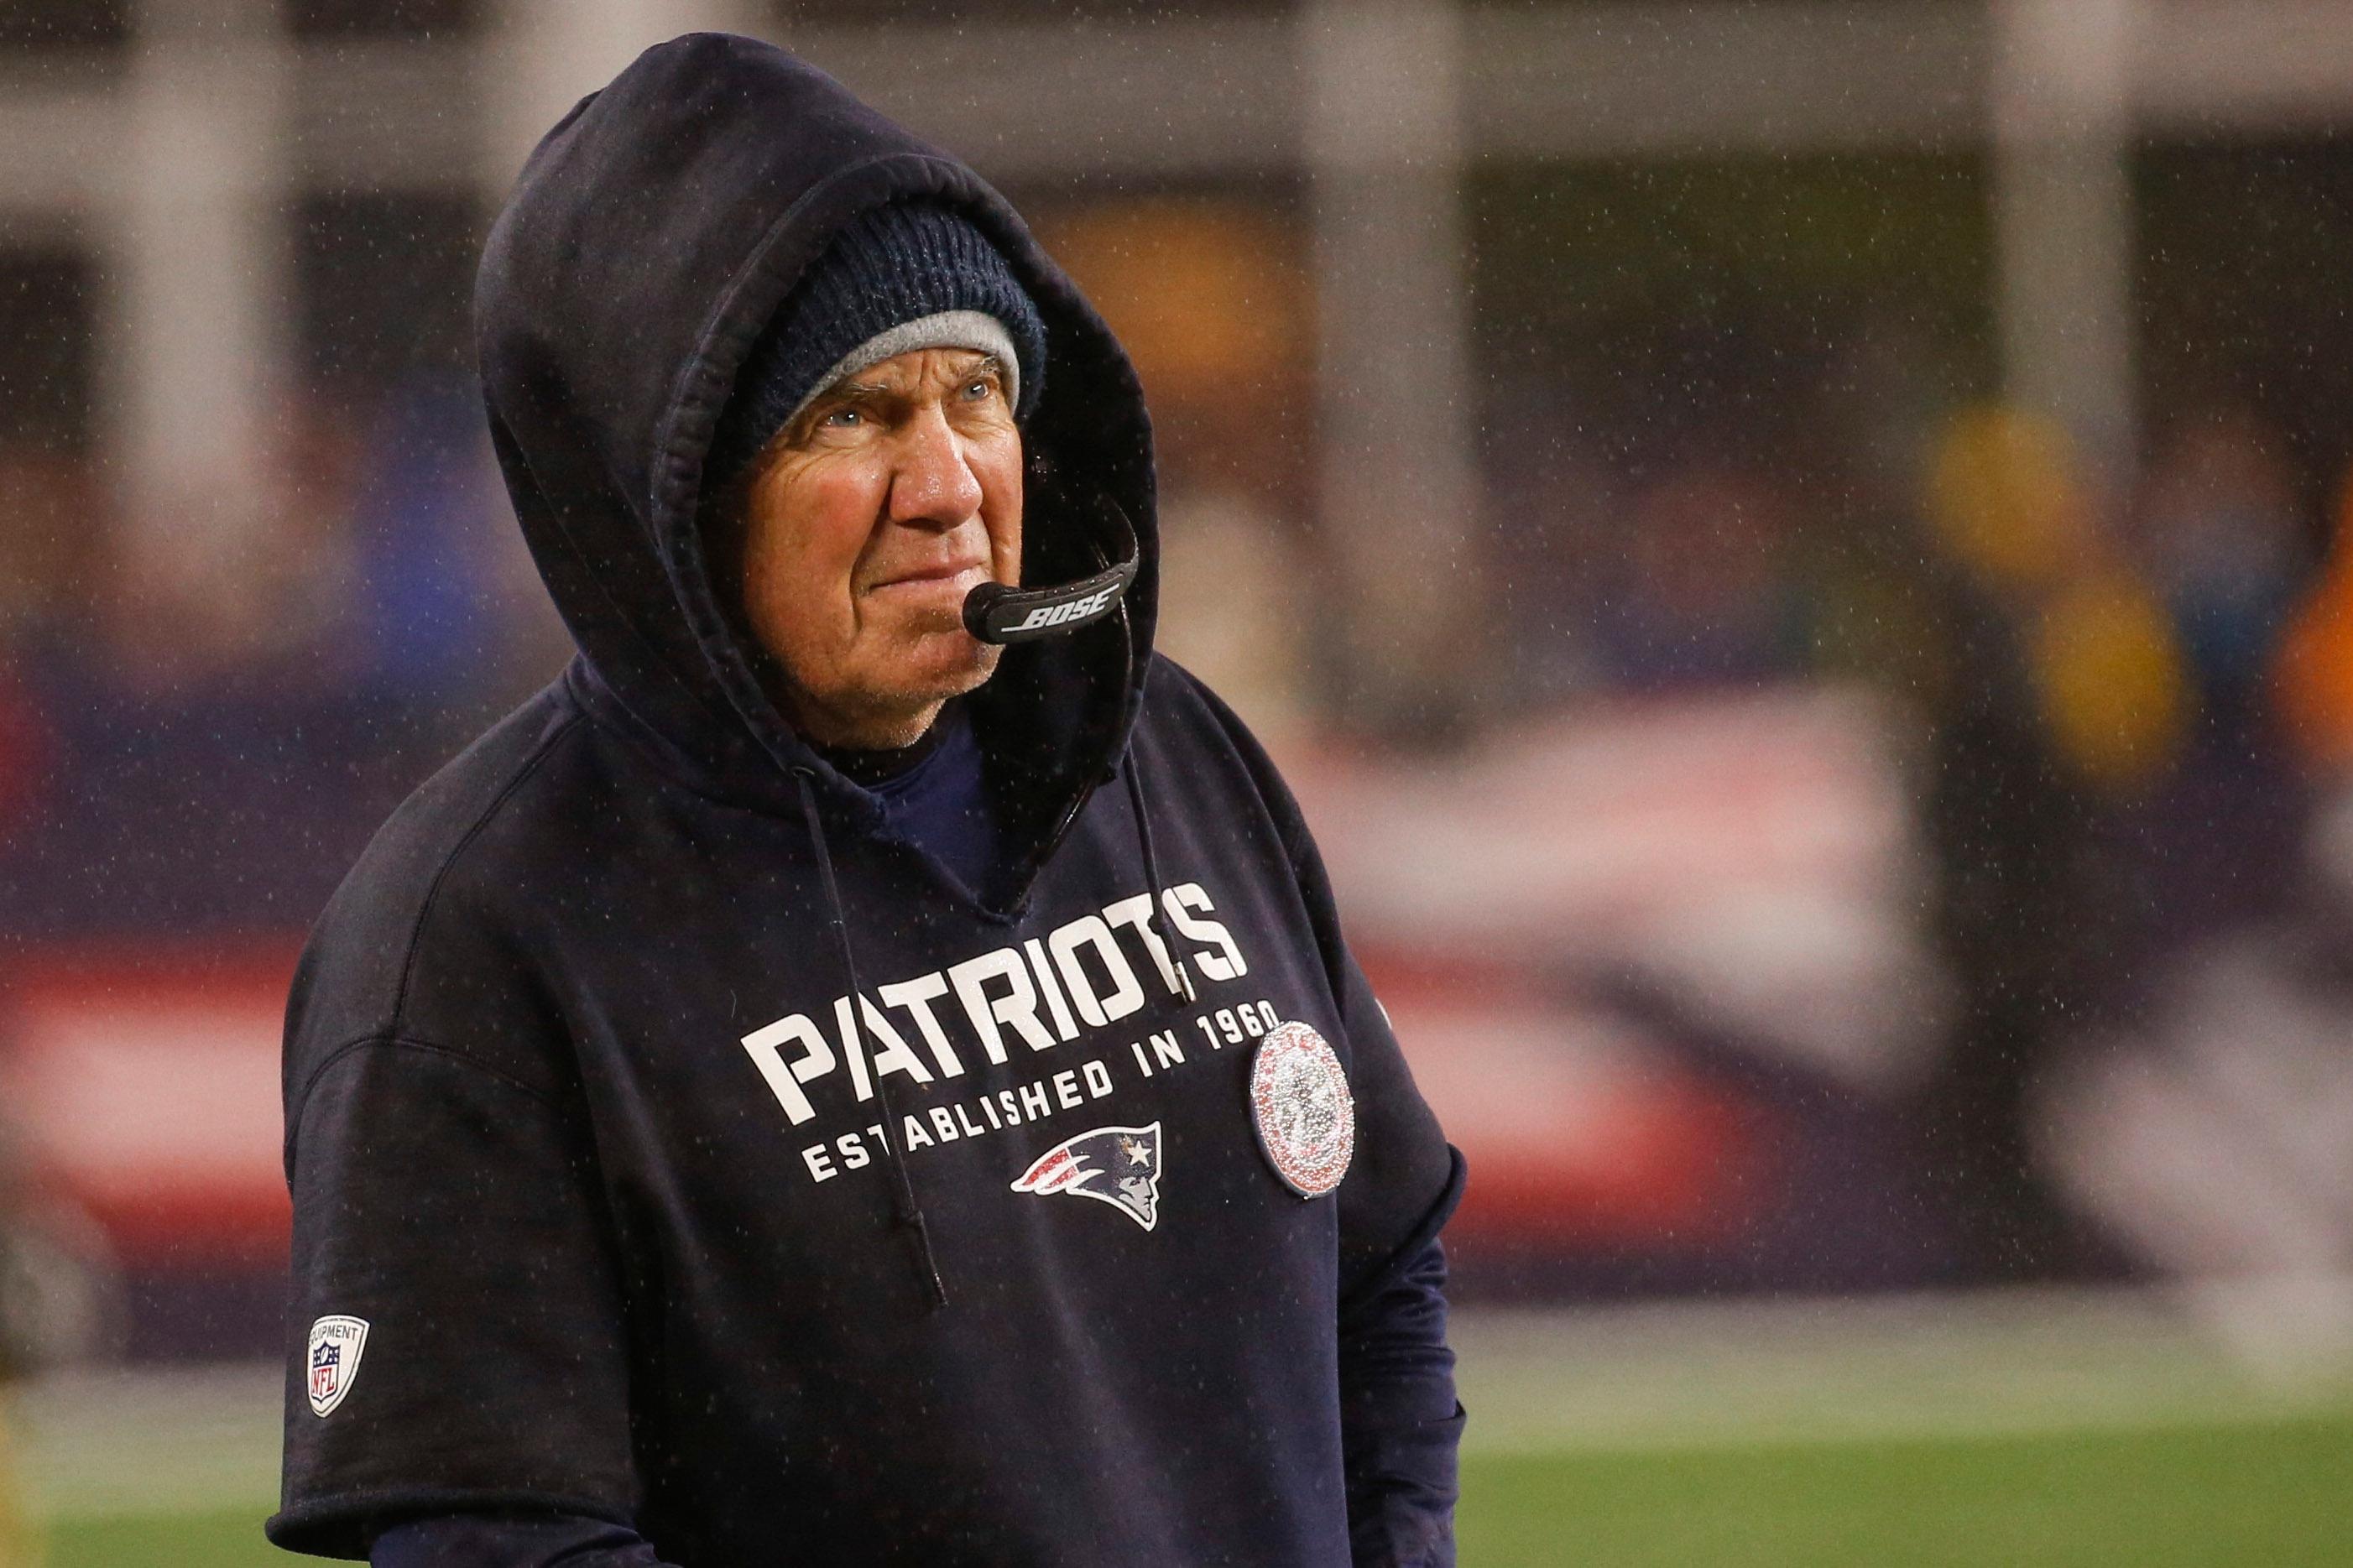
905	1209
1152	915
1135	770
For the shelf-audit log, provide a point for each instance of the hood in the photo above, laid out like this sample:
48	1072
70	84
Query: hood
651	237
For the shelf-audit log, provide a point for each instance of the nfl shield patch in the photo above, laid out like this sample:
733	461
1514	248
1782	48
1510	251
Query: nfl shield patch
334	1360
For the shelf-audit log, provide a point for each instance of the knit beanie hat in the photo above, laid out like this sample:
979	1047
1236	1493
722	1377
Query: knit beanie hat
908	275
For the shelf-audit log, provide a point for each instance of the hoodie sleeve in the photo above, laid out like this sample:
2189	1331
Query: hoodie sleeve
1400	1426
1400	1423
469	1541
455	1339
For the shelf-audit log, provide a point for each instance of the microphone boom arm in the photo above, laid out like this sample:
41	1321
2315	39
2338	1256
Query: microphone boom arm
995	613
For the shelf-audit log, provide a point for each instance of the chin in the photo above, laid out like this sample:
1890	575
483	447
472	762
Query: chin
887	698
942	666
967	669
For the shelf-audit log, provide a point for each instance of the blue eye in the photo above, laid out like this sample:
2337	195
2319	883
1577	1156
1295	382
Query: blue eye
839	414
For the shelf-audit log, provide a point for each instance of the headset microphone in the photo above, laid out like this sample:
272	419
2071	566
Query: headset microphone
997	614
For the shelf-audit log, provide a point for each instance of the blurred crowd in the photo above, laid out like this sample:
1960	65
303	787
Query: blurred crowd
2125	691
200	724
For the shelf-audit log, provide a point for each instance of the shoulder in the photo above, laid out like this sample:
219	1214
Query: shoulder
1191	729
420	910
1174	695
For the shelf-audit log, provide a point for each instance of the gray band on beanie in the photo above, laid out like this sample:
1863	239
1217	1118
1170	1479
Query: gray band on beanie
975	330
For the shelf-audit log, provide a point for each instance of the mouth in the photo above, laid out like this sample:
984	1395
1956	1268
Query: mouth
963	575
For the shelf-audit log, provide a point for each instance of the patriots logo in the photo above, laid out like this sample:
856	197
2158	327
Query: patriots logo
1115	1165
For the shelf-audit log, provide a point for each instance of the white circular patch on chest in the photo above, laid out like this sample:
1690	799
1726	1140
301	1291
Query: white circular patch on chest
1300	1104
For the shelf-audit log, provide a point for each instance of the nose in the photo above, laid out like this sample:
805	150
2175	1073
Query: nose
932	484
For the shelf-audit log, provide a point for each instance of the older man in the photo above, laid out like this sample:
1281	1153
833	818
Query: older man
864	1069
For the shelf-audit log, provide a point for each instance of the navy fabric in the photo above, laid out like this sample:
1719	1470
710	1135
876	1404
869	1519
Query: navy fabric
587	1119
897	263
940	804
512	1541
1404	1425
1397	1384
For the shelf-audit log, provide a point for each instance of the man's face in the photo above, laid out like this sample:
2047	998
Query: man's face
866	524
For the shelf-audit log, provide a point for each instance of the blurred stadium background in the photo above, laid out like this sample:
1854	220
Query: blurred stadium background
1791	549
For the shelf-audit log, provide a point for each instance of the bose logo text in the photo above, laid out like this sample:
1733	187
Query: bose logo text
1055	615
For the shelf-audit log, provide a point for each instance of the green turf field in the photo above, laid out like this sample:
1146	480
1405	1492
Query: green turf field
2275	1495
2278	1496
2003	1431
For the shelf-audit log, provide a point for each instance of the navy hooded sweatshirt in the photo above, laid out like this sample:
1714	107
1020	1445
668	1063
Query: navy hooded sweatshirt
665	1128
